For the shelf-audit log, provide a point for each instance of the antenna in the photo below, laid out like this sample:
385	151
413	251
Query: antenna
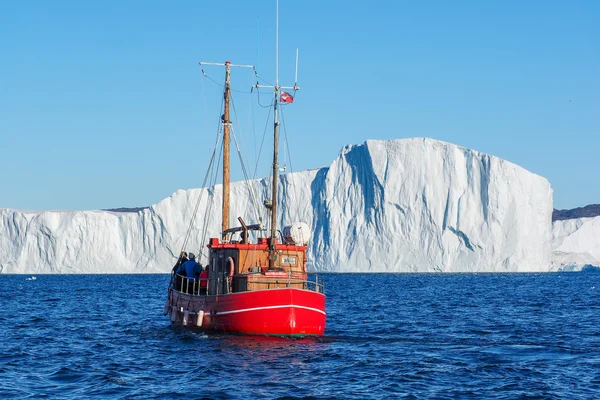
272	204
276	43
257	42
296	77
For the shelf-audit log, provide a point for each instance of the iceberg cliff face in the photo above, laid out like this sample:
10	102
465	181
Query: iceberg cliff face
575	243
412	205
421	205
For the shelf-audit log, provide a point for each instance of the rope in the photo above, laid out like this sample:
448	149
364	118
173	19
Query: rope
209	208
258	93
247	180
287	145
210	166
244	170
261	144
189	231
252	119
221	84
259	78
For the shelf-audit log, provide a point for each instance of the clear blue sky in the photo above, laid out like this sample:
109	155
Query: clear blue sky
102	103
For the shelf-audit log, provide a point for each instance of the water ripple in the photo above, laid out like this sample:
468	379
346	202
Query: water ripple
423	336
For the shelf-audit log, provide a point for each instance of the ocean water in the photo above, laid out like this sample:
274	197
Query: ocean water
388	336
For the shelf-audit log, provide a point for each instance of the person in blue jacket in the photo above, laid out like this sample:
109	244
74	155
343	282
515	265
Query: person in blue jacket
190	269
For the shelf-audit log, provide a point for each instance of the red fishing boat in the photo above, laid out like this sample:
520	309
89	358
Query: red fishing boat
254	287
248	295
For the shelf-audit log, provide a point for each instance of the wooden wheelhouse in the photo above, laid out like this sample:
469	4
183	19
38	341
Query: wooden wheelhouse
245	266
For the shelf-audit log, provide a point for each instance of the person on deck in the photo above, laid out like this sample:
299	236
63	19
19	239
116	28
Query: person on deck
198	271
204	280
182	258
189	269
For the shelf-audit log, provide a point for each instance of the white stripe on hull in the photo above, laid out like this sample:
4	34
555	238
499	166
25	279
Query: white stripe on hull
267	308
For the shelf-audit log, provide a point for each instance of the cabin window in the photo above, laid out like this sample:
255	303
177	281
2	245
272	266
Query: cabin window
289	260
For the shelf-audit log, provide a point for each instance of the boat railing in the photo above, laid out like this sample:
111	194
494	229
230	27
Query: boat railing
187	285
318	285
315	285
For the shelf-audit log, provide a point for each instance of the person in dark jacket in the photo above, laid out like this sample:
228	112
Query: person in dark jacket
182	258
189	269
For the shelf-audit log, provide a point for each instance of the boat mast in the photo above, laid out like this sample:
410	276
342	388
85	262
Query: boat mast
226	150
273	246
226	137
272	204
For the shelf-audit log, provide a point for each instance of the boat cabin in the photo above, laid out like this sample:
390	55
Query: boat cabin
240	267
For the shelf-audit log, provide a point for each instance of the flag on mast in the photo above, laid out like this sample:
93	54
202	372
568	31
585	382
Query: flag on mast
286	98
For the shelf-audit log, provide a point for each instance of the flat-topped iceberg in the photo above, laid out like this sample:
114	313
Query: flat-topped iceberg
410	205
575	243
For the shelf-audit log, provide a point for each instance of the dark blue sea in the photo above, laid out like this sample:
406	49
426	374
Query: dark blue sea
388	336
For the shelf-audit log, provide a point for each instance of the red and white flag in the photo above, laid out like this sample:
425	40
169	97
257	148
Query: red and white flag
286	98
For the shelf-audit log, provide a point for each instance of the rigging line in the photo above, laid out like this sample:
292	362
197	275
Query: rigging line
261	143
244	169
189	230
212	80
267	215
258	95
204	101
220	84
197	206
239	91
264	80
287	145
210	190
237	121
260	78
213	182
287	142
210	205
253	119
269	188
188	233
248	182
219	120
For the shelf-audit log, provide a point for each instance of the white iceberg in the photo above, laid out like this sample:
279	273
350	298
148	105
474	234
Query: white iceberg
575	243
410	205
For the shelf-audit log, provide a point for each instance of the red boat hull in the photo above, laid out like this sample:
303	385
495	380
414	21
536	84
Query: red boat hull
281	312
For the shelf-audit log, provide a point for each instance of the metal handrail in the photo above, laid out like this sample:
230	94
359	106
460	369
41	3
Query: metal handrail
194	283
316	285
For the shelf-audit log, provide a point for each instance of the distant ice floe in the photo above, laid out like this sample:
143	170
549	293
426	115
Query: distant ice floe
409	205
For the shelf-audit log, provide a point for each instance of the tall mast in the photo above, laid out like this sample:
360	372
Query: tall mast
273	246
277	88
226	136
226	146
